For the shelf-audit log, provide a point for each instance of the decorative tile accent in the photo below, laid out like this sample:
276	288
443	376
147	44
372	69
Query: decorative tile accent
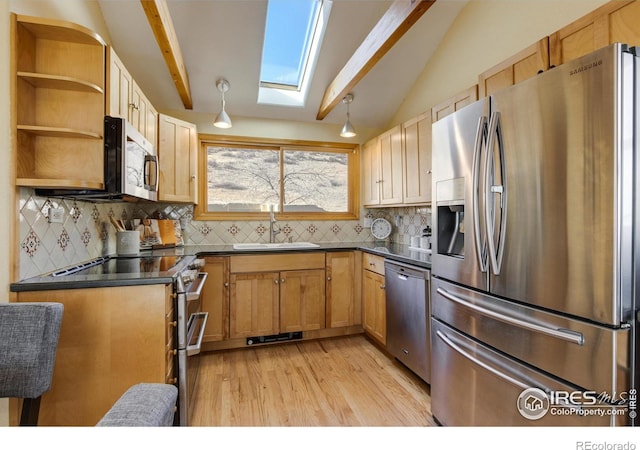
233	229
336	228
261	229
86	237
286	229
63	239
205	229
358	228
31	243
95	214
312	229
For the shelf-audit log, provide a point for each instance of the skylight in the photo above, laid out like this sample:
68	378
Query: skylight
293	34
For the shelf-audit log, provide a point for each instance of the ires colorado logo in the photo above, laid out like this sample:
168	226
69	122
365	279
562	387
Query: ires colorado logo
534	403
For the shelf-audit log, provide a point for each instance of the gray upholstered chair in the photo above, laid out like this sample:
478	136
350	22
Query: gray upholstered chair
29	335
143	405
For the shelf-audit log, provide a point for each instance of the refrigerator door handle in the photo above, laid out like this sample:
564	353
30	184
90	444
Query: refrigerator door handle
479	235
476	361
508	378
495	136
566	335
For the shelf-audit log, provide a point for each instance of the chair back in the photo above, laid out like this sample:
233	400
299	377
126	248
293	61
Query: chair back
29	334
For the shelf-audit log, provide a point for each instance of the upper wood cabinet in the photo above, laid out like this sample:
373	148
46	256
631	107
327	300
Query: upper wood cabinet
454	103
525	64
616	21
178	157
391	166
57	103
416	160
371	172
382	166
127	100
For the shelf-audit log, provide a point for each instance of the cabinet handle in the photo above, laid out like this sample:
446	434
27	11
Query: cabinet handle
172	381
173	352
429	171
173	324
282	280
275	281
133	106
226	284
382	286
193	177
328	278
372	264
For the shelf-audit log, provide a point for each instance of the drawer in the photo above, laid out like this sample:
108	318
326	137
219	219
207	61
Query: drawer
373	263
277	262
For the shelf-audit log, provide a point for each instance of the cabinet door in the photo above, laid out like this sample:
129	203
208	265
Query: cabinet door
391	166
454	103
253	304
215	298
177	154
374	305
616	21
525	64
302	304
371	172
416	167
342	295
120	87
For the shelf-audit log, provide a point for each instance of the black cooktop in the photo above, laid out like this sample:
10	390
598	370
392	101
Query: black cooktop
127	265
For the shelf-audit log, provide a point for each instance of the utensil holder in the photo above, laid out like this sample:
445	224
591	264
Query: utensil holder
127	242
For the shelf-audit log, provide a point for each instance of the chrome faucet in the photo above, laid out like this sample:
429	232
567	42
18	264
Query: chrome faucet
274	229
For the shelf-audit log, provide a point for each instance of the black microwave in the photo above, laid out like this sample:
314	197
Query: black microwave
130	166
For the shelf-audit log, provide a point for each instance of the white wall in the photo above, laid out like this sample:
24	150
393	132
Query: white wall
485	33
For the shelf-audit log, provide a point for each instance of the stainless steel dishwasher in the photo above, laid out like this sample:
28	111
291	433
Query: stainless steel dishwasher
408	311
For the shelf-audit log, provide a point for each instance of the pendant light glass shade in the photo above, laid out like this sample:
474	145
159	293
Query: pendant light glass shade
222	120
347	129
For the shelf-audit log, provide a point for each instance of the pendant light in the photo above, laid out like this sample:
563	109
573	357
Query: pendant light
347	130
222	120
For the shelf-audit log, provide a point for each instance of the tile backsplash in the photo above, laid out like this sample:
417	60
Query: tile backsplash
85	232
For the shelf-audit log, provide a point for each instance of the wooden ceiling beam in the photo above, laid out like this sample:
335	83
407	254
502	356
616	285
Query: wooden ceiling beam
398	19
159	18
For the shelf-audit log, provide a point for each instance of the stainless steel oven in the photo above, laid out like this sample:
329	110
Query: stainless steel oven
191	322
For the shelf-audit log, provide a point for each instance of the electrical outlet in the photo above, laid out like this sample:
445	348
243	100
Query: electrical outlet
367	222
56	215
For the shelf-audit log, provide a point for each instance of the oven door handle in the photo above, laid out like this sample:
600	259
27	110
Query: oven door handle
201	316
195	288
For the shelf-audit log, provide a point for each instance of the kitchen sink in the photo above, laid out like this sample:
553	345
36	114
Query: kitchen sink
274	246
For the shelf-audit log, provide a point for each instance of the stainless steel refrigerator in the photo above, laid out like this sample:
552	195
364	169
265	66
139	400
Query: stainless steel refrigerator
535	272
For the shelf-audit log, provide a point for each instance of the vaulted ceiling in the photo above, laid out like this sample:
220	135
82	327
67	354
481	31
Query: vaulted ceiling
205	40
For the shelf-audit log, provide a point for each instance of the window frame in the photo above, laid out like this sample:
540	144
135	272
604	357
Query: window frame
353	172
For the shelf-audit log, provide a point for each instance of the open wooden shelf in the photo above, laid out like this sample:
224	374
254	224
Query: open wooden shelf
58	132
40	80
50	183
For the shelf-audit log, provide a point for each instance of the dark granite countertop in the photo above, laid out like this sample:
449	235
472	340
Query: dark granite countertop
185	255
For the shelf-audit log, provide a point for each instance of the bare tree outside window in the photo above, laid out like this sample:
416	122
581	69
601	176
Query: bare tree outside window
250	180
315	181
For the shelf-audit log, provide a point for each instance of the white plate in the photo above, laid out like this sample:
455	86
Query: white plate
380	228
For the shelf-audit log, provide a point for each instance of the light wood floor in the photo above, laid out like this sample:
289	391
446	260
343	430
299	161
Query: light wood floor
332	382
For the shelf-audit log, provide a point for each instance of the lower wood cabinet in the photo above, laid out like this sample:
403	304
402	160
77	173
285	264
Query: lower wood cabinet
343	287
302	300
374	306
215	298
253	304
110	339
252	295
